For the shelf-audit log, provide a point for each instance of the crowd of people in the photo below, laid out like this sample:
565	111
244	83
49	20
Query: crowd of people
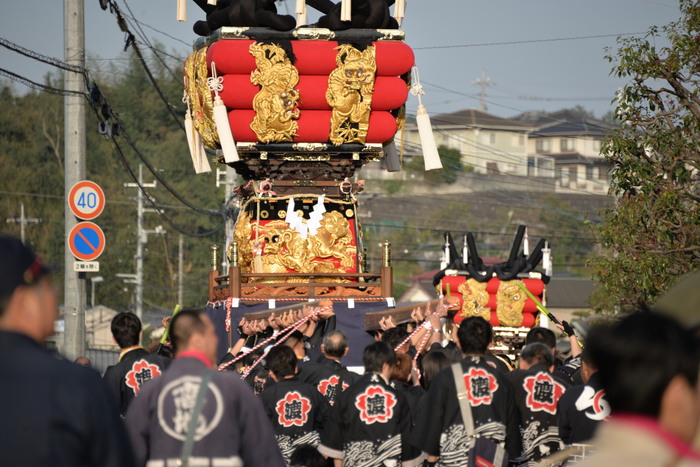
432	392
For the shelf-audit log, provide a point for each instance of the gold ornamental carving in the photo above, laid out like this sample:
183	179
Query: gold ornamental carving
475	299
349	94
285	250
275	103
201	102
510	301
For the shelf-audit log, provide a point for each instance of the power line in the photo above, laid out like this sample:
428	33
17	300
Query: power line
131	41
133	17
532	41
95	101
37	86
42	58
146	41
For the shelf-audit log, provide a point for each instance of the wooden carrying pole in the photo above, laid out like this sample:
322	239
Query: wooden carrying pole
403	314
264	314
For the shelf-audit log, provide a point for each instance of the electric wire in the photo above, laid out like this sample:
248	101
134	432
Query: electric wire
37	86
532	41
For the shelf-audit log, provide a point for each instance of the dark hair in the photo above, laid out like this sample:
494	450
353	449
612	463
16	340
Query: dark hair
185	323
540	334
293	339
376	355
126	328
307	456
537	352
586	357
433	362
401	369
335	344
282	361
474	335
638	357
394	336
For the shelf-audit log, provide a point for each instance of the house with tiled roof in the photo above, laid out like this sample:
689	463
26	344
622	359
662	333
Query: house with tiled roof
489	144
568	145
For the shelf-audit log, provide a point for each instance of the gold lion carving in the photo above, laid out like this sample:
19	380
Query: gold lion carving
284	249
349	94
475	299
510	301
275	103
201	103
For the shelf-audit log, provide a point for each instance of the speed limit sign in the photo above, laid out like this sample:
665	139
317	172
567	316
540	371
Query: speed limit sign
86	200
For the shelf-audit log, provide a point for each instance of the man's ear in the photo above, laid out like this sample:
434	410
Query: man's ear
680	408
347	349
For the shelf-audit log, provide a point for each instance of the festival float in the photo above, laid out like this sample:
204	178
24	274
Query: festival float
296	111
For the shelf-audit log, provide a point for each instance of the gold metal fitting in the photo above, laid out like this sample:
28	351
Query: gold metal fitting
386	254
214	257
234	254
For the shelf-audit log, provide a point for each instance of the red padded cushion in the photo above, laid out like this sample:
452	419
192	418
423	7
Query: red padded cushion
312	57
314	126
390	92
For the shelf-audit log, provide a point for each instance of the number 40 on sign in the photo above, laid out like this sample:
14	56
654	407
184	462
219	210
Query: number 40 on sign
86	200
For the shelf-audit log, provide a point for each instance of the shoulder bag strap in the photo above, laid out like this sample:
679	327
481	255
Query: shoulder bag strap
196	410
463	399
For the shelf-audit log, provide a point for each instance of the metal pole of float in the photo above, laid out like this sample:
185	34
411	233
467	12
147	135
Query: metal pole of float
74	148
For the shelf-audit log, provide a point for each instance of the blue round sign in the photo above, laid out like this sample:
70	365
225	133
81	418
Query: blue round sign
86	241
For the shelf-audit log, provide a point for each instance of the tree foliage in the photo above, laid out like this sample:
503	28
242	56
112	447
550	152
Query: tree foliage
31	150
452	166
653	231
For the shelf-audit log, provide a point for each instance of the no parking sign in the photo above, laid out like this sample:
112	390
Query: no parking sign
86	241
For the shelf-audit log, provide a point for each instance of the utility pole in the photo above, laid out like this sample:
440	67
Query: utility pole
22	220
482	81
180	274
141	238
74	149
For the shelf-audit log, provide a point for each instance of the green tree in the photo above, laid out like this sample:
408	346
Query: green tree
653	231
452	166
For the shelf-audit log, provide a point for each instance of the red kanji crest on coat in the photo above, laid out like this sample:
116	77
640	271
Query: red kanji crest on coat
141	371
329	388
375	405
543	393
480	386
293	410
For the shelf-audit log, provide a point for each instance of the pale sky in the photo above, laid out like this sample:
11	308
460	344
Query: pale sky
530	73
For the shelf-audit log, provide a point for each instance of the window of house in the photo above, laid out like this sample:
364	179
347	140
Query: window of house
573	175
492	138
566	145
491	168
589	172
543	145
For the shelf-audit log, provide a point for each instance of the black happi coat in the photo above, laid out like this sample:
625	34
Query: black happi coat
233	427
134	368
55	412
580	410
439	429
370	423
298	413
537	393
329	377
